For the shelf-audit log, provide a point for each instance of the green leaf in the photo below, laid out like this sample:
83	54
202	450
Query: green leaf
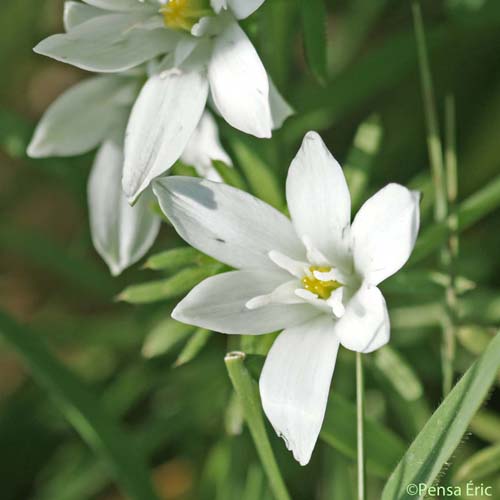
361	158
193	346
164	336
481	464
170	288
313	14
229	175
469	212
172	260
259	175
339	431
83	410
444	430
248	393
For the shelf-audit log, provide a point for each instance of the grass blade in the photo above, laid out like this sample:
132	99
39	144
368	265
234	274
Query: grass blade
445	429
83	410
247	390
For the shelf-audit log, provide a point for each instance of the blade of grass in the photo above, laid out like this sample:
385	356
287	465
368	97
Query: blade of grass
449	254
247	390
83	410
443	432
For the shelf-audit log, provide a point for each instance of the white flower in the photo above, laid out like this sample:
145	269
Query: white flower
205	53
315	276
93	114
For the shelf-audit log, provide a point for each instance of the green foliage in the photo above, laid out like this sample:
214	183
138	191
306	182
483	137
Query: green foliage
351	72
83	411
314	21
444	430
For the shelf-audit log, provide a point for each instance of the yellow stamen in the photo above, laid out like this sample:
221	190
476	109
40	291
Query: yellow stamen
322	289
184	14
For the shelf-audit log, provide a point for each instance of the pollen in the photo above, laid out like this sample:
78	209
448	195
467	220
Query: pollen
322	289
184	14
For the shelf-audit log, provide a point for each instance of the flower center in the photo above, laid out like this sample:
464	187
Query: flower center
184	14
322	289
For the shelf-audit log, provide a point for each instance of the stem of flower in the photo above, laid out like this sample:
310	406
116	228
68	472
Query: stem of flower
435	149
360	425
248	393
450	253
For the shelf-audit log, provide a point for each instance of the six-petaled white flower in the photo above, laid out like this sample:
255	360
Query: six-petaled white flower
93	114
315	276
204	52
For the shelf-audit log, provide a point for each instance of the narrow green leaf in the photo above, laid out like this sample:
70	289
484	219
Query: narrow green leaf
313	14
193	346
164	336
445	429
481	464
262	181
361	158
172	260
247	390
170	288
339	431
229	175
469	212
83	410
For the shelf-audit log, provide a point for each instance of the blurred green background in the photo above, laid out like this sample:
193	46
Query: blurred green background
183	418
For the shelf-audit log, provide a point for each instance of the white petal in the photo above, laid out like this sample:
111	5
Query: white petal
295	383
80	118
243	8
239	83
384	232
109	43
280	109
119	5
319	201
365	325
230	225
163	118
76	13
121	234
203	147
219	304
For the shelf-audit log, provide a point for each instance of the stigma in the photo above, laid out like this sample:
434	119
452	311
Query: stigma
320	287
184	14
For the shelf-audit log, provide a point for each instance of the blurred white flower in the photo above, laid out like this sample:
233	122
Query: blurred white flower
93	114
315	276
204	52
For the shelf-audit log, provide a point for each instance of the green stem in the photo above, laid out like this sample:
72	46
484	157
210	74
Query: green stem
434	145
360	425
450	253
435	150
248	393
